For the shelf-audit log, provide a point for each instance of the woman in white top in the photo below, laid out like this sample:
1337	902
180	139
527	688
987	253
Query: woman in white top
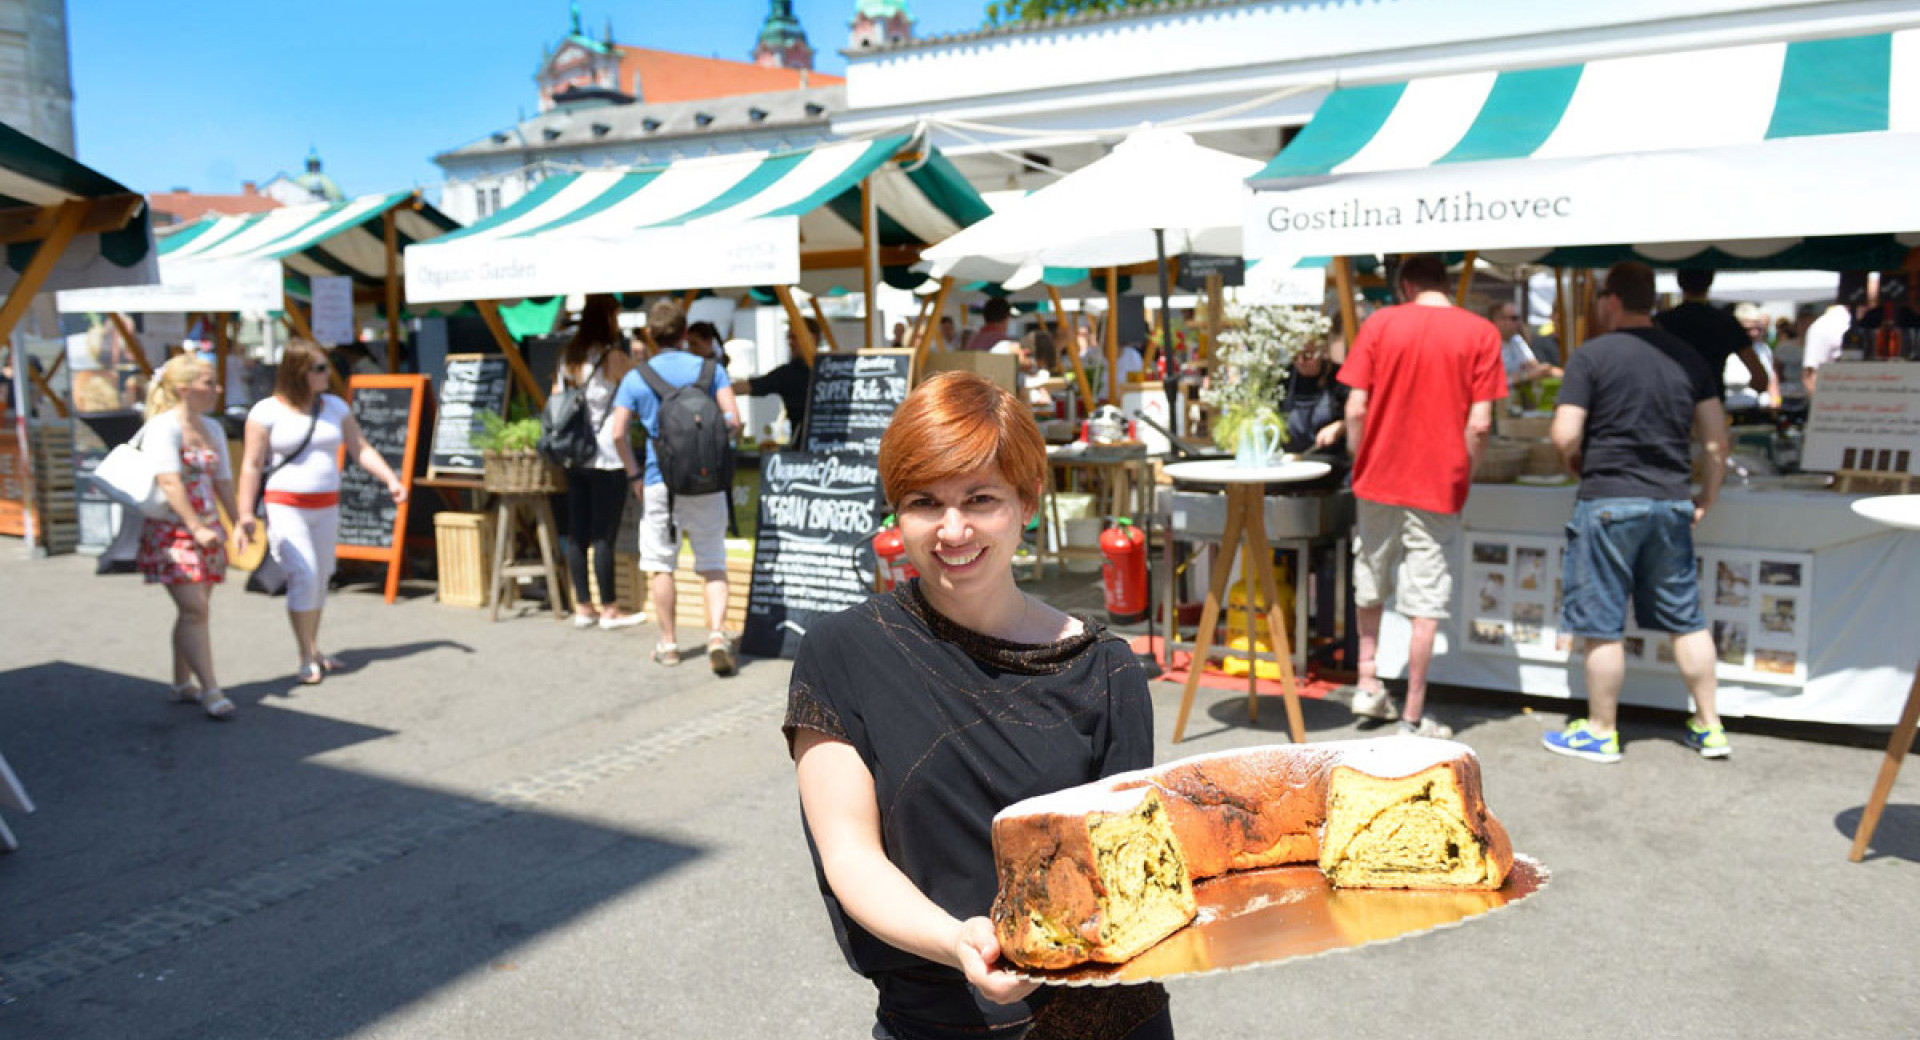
596	492
293	447
186	551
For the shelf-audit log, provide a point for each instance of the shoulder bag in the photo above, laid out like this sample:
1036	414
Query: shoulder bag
127	476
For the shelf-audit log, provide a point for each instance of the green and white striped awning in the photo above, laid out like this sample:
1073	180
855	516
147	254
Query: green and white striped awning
725	221
114	241
1748	148
237	263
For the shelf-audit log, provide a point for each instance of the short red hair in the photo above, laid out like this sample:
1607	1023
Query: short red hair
955	423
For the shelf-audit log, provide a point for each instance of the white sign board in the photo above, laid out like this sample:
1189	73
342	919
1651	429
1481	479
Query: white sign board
1271	283
718	256
1865	416
333	310
186	286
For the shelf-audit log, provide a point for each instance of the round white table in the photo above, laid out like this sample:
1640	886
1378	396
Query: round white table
1245	528
1901	511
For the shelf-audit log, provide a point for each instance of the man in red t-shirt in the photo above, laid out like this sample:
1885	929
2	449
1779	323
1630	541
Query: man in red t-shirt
1424	375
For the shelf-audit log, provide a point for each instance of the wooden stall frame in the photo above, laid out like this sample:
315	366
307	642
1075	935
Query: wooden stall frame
1067	339
490	313
802	337
395	555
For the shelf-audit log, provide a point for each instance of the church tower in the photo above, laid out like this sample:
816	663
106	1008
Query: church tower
783	44
877	23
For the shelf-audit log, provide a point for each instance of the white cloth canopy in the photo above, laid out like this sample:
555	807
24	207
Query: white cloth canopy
1104	214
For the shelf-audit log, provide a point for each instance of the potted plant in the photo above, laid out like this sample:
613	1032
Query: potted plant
1255	348
512	464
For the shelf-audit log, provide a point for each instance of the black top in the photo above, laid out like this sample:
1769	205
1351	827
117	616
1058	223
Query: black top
1310	404
1710	331
790	381
1639	387
954	726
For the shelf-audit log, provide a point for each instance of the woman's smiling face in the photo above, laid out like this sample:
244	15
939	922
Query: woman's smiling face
963	530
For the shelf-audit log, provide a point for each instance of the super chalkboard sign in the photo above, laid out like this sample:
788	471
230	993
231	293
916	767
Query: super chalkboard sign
474	385
372	525
853	398
814	551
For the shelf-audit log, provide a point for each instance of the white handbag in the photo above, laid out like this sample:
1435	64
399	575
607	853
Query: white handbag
127	476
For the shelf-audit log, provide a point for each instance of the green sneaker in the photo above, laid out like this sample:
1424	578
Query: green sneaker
1578	741
1710	741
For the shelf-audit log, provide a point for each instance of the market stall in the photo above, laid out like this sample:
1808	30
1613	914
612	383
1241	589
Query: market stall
1777	149
64	226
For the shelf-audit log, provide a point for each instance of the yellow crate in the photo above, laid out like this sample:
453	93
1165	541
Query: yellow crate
464	544
690	611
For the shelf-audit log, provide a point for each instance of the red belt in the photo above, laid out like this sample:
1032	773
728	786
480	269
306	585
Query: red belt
304	499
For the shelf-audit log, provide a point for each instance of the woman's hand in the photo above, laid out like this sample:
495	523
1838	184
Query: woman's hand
976	948
397	489
1330	434
245	533
205	536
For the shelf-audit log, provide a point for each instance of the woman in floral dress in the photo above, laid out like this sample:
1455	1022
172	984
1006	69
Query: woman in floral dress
186	552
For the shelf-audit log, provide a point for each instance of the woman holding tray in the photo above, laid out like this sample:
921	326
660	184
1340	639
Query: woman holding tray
293	450
186	552
916	716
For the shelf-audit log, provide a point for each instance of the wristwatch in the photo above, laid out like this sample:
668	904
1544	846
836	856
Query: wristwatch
635	478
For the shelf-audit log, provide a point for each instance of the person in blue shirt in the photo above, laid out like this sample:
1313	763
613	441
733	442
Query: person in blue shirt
701	518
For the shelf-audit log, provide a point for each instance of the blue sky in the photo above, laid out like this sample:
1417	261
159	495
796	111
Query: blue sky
239	90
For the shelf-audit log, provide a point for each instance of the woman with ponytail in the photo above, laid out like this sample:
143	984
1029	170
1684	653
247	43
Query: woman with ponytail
186	552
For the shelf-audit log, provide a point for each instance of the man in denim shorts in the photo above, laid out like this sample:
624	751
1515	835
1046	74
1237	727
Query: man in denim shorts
1630	403
1422	379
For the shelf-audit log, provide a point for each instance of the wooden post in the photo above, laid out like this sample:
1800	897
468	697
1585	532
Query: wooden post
220	348
40	380
139	350
1069	345
392	234
1113	335
826	329
490	311
918	331
687	298
1343	287
1560	326
1897	748
926	340
869	263
1466	277
65	224
801	337
1216	314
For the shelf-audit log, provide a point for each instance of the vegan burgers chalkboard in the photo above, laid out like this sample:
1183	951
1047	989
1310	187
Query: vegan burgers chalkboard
372	526
853	398
813	553
474	385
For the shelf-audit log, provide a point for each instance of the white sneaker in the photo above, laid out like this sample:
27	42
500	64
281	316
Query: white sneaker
1426	727
585	620
1374	704
623	621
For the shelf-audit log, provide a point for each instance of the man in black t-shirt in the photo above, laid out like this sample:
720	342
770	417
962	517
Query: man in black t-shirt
1627	405
791	381
1714	333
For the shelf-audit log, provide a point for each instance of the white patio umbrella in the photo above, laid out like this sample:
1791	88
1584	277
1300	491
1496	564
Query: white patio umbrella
1156	193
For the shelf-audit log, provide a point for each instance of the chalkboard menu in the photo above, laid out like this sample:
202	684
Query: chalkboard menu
474	385
371	524
814	550
853	398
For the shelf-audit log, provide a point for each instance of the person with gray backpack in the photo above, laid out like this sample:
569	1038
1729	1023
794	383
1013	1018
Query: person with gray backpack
686	405
577	436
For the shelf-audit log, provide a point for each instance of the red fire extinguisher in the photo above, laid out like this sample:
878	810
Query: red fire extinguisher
1124	573
892	551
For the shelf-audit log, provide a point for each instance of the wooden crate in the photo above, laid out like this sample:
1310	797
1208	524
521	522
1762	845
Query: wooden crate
463	544
690	609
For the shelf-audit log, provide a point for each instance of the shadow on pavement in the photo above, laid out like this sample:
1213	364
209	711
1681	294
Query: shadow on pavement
1896	837
234	860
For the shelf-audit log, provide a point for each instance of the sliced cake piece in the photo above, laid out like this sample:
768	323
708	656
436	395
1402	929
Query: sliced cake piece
1407	813
1087	874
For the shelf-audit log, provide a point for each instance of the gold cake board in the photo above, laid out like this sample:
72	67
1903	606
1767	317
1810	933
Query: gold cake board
1262	917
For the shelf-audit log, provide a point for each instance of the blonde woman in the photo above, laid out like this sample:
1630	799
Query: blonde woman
292	451
186	552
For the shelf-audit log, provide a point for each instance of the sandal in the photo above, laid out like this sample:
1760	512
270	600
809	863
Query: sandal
666	655
184	693
330	664
216	704
720	654
311	673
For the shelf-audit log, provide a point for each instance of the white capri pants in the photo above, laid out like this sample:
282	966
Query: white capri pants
301	541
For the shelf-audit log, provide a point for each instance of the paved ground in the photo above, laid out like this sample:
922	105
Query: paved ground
519	830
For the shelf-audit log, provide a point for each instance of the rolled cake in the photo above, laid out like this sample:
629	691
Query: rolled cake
1400	812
